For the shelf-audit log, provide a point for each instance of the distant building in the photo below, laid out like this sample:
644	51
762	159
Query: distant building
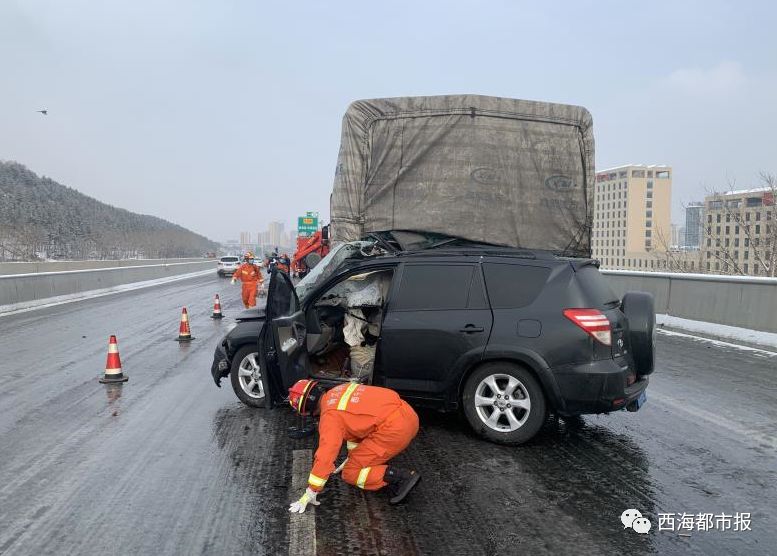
675	236
632	216
275	234
739	231
245	241
694	225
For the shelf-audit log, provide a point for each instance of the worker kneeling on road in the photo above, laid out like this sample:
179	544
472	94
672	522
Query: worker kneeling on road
251	276
376	425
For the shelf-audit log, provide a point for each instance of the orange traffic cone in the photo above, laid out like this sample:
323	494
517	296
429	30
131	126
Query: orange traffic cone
184	333
113	364
217	309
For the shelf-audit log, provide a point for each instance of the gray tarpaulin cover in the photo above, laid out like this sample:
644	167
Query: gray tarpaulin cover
497	170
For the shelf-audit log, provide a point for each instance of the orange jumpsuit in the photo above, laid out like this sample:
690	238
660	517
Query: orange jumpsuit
251	277
376	425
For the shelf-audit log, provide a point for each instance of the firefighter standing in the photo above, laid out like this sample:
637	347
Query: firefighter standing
251	277
376	425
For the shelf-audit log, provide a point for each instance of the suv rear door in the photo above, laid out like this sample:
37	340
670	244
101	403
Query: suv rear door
437	322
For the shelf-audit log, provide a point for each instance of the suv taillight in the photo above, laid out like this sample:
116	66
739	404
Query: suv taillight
593	321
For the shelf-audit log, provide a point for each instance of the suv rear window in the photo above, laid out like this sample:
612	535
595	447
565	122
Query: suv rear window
595	286
433	287
229	259
514	285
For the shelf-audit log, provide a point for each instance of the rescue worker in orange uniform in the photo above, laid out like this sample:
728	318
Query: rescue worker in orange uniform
376	425
251	277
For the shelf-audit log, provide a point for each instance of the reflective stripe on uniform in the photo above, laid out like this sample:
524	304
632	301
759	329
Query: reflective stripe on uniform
351	445
316	481
343	403
363	477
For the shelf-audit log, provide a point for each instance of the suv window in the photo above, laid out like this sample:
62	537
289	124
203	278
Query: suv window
433	287
596	287
229	259
512	285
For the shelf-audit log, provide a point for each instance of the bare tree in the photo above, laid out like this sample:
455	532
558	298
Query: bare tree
673	259
759	235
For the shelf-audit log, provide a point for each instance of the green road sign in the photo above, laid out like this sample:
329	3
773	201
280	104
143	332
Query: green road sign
307	225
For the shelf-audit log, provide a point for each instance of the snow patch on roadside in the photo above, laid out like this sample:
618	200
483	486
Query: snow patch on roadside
16	308
719	333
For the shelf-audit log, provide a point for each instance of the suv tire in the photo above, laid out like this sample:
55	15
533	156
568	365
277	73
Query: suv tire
245	362
504	403
641	314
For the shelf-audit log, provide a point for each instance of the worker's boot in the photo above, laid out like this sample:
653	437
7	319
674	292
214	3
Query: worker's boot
400	483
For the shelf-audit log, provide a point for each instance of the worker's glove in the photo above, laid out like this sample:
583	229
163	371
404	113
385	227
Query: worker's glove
299	506
234	280
340	467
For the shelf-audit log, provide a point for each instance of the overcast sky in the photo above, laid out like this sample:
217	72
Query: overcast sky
221	115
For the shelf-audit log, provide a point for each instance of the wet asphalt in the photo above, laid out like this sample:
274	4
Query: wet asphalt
169	464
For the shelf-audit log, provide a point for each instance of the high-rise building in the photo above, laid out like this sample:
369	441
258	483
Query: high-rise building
693	225
739	232
275	230
245	241
675	236
632	216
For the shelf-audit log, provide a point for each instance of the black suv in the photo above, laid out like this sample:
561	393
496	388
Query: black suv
503	334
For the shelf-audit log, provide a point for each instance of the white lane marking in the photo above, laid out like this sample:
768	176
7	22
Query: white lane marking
7	310
302	527
747	434
716	342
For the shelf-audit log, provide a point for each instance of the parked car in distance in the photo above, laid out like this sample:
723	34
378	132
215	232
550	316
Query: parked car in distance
503	335
226	266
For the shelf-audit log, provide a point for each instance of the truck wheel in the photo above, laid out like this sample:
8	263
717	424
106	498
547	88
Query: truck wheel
248	380
641	315
504	403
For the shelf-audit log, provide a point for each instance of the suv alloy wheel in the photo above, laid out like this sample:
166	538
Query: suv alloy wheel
504	403
247	378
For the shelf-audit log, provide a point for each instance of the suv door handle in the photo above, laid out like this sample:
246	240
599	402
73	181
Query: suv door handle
471	328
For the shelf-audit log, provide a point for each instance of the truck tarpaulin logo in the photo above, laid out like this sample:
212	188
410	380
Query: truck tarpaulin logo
485	176
560	183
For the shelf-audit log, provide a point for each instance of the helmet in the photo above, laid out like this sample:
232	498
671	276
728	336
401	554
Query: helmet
304	396
248	255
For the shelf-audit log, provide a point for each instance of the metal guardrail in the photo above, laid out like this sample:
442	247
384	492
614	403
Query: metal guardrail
744	301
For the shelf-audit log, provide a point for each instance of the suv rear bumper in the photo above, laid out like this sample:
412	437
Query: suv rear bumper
597	387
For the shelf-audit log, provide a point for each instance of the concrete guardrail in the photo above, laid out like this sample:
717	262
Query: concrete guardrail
59	266
743	301
23	288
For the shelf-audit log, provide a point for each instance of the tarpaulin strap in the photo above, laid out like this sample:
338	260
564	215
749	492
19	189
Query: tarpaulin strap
363	477
316	481
345	398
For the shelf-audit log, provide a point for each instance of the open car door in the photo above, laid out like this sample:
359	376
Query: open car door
286	333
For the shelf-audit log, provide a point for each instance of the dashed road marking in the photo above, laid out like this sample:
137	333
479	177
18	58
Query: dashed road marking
302	527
